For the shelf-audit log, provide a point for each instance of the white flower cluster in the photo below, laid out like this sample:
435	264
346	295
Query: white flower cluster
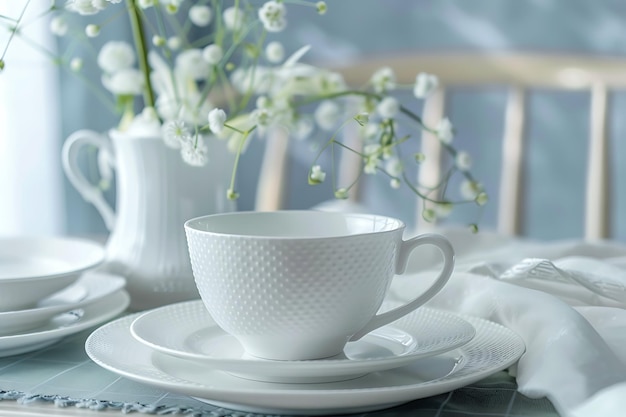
257	87
116	59
378	117
89	7
193	149
272	15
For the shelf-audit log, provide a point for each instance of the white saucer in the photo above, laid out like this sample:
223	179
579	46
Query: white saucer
493	348
90	287
88	316
187	330
32	268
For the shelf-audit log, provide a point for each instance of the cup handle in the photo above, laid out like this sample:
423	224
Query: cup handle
106	160
406	248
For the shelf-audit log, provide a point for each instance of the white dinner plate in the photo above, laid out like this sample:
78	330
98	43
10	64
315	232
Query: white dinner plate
187	330
90	287
492	349
88	316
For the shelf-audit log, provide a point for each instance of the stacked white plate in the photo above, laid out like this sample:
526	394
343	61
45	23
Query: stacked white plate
49	290
180	348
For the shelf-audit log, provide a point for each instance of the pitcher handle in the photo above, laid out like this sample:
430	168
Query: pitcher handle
90	192
406	248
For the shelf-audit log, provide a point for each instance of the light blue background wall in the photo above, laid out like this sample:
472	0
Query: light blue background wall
558	122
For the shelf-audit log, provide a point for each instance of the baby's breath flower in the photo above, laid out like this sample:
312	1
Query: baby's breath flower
373	153
194	152
261	117
149	114
482	198
272	15
470	189
124	82
332	82
174	43
76	64
217	118
92	30
175	133
274	52
394	166
463	161
145	4
231	194
395	183
262	102
429	215
58	26
388	107
341	193
425	84
303	128
171	9
445	130
212	54
362	118
83	7
200	15
115	56
191	64
316	176
233	18
383	80
371	131
327	115
158	40
443	210
372	149
321	7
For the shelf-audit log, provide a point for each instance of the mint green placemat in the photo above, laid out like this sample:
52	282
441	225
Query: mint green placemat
64	374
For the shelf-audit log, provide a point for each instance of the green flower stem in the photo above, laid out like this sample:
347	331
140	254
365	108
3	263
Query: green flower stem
243	140
128	112
15	29
425	197
452	151
142	51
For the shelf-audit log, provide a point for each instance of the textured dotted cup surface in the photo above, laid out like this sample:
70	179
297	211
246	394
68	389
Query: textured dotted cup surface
285	295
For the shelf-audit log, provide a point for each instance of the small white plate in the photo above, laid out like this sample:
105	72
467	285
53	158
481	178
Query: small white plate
493	348
187	330
33	268
88	316
91	286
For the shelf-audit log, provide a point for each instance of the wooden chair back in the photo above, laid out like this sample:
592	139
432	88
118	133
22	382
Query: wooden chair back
520	73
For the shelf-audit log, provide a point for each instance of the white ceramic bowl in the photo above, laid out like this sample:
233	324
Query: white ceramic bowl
34	268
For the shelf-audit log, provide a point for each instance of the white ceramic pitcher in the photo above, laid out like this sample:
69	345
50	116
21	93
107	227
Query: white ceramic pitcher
156	193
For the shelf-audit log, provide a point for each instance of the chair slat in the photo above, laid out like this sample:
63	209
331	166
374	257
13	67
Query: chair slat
511	178
430	171
351	163
523	72
597	206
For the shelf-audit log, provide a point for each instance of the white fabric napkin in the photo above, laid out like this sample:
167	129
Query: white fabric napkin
567	300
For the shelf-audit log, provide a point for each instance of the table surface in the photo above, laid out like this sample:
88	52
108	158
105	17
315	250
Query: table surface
62	380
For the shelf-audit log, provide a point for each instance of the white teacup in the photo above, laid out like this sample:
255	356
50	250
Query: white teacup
295	285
